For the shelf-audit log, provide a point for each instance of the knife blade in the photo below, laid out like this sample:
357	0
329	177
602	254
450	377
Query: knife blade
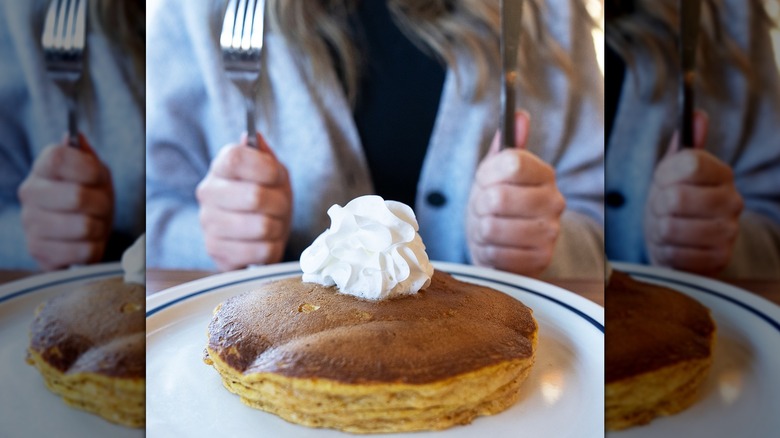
690	12
511	22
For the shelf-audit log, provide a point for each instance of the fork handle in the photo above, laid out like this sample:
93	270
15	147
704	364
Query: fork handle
251	131
73	129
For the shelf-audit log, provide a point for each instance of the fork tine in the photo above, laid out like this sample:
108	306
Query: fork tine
81	25
239	29
258	25
70	24
226	38
47	39
246	37
59	31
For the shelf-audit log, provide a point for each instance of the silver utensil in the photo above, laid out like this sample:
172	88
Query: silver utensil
690	11
63	41
511	22
242	43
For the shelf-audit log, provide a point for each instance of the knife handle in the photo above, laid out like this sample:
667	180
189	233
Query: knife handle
686	118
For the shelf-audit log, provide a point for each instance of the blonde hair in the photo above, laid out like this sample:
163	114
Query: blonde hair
653	25
319	29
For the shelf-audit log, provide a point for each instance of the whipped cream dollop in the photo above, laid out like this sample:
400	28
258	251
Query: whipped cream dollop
372	250
134	262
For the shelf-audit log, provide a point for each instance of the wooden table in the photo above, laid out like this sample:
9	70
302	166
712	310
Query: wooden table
8	276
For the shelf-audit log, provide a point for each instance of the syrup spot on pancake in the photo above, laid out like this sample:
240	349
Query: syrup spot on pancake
130	307
307	308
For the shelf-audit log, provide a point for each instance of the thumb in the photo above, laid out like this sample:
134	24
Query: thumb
263	146
522	126
85	146
701	123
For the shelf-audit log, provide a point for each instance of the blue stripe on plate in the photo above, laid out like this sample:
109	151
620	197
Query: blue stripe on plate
587	318
576	311
57	282
232	283
774	323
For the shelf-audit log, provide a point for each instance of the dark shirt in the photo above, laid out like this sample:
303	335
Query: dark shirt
397	102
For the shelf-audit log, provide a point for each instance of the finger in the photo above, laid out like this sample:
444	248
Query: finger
517	233
692	167
56	254
236	254
696	201
65	197
247	164
701	261
514	166
694	233
62	162
244	196
522	261
522	128
241	226
701	122
51	225
506	200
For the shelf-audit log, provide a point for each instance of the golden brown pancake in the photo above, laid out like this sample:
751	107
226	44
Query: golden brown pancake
320	358
658	351
89	345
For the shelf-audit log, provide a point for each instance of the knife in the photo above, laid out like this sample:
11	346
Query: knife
511	22
690	11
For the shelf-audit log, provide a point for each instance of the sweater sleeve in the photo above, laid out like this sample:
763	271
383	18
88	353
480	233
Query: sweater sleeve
755	156
177	154
575	143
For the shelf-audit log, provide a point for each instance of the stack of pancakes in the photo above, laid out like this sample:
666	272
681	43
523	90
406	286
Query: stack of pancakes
658	351
89	345
316	357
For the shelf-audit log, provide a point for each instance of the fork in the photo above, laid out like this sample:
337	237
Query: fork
242	43
63	41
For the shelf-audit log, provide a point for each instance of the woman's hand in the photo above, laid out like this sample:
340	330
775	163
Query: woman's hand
245	206
692	214
514	209
67	205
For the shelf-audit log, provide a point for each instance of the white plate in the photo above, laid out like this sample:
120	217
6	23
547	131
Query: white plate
28	408
741	397
563	397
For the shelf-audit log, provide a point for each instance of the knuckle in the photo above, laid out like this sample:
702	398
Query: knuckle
79	198
553	230
545	257
261	227
558	203
488	255
739	203
231	157
665	229
94	252
25	190
496	198
201	190
487	228
53	156
258	197
675	199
